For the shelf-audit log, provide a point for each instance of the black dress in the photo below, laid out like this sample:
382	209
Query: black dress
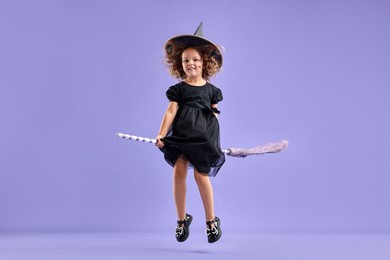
195	129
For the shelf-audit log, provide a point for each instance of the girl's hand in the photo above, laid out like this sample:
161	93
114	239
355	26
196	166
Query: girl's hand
159	144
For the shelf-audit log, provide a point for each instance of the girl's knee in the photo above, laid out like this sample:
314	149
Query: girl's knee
180	169
200	177
180	174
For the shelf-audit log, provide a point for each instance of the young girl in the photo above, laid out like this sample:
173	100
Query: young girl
189	132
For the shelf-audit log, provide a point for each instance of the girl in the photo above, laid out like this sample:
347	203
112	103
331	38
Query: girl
189	132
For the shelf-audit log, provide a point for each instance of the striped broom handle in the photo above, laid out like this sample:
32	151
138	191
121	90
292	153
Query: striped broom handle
148	140
136	138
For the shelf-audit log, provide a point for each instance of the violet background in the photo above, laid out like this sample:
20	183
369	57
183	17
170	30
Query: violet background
74	73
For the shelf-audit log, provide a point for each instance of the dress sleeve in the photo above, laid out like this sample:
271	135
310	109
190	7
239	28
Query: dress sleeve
173	94
217	96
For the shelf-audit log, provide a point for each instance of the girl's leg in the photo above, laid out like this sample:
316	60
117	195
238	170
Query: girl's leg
179	186
206	193
213	223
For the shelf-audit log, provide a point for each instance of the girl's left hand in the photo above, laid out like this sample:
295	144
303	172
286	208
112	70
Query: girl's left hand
159	144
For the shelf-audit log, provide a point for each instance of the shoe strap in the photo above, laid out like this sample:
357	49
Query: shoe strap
214	221
184	221
180	222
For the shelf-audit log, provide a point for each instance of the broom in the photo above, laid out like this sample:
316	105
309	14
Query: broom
234	152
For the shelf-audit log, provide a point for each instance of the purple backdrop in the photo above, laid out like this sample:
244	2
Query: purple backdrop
73	73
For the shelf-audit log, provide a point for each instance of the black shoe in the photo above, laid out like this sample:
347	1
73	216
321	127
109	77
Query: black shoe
213	230
183	228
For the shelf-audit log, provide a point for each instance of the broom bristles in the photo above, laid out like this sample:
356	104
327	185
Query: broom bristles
263	149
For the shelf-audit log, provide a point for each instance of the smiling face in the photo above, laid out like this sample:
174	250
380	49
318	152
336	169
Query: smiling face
192	63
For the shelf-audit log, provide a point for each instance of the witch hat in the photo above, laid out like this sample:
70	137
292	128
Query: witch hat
197	39
199	30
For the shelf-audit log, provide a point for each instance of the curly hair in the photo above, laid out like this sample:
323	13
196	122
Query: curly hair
173	60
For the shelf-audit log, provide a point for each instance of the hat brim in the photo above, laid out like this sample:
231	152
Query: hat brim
194	40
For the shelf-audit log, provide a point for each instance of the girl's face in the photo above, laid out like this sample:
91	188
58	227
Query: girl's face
192	63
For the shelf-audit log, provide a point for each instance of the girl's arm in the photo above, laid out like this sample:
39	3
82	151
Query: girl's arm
167	121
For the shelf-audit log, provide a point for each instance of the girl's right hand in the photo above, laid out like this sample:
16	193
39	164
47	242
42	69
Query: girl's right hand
159	144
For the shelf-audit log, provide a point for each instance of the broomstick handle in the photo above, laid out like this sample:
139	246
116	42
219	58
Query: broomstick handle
136	138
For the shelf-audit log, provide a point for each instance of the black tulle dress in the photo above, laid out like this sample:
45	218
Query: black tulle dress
195	129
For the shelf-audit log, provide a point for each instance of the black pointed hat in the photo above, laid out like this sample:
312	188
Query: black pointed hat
196	39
